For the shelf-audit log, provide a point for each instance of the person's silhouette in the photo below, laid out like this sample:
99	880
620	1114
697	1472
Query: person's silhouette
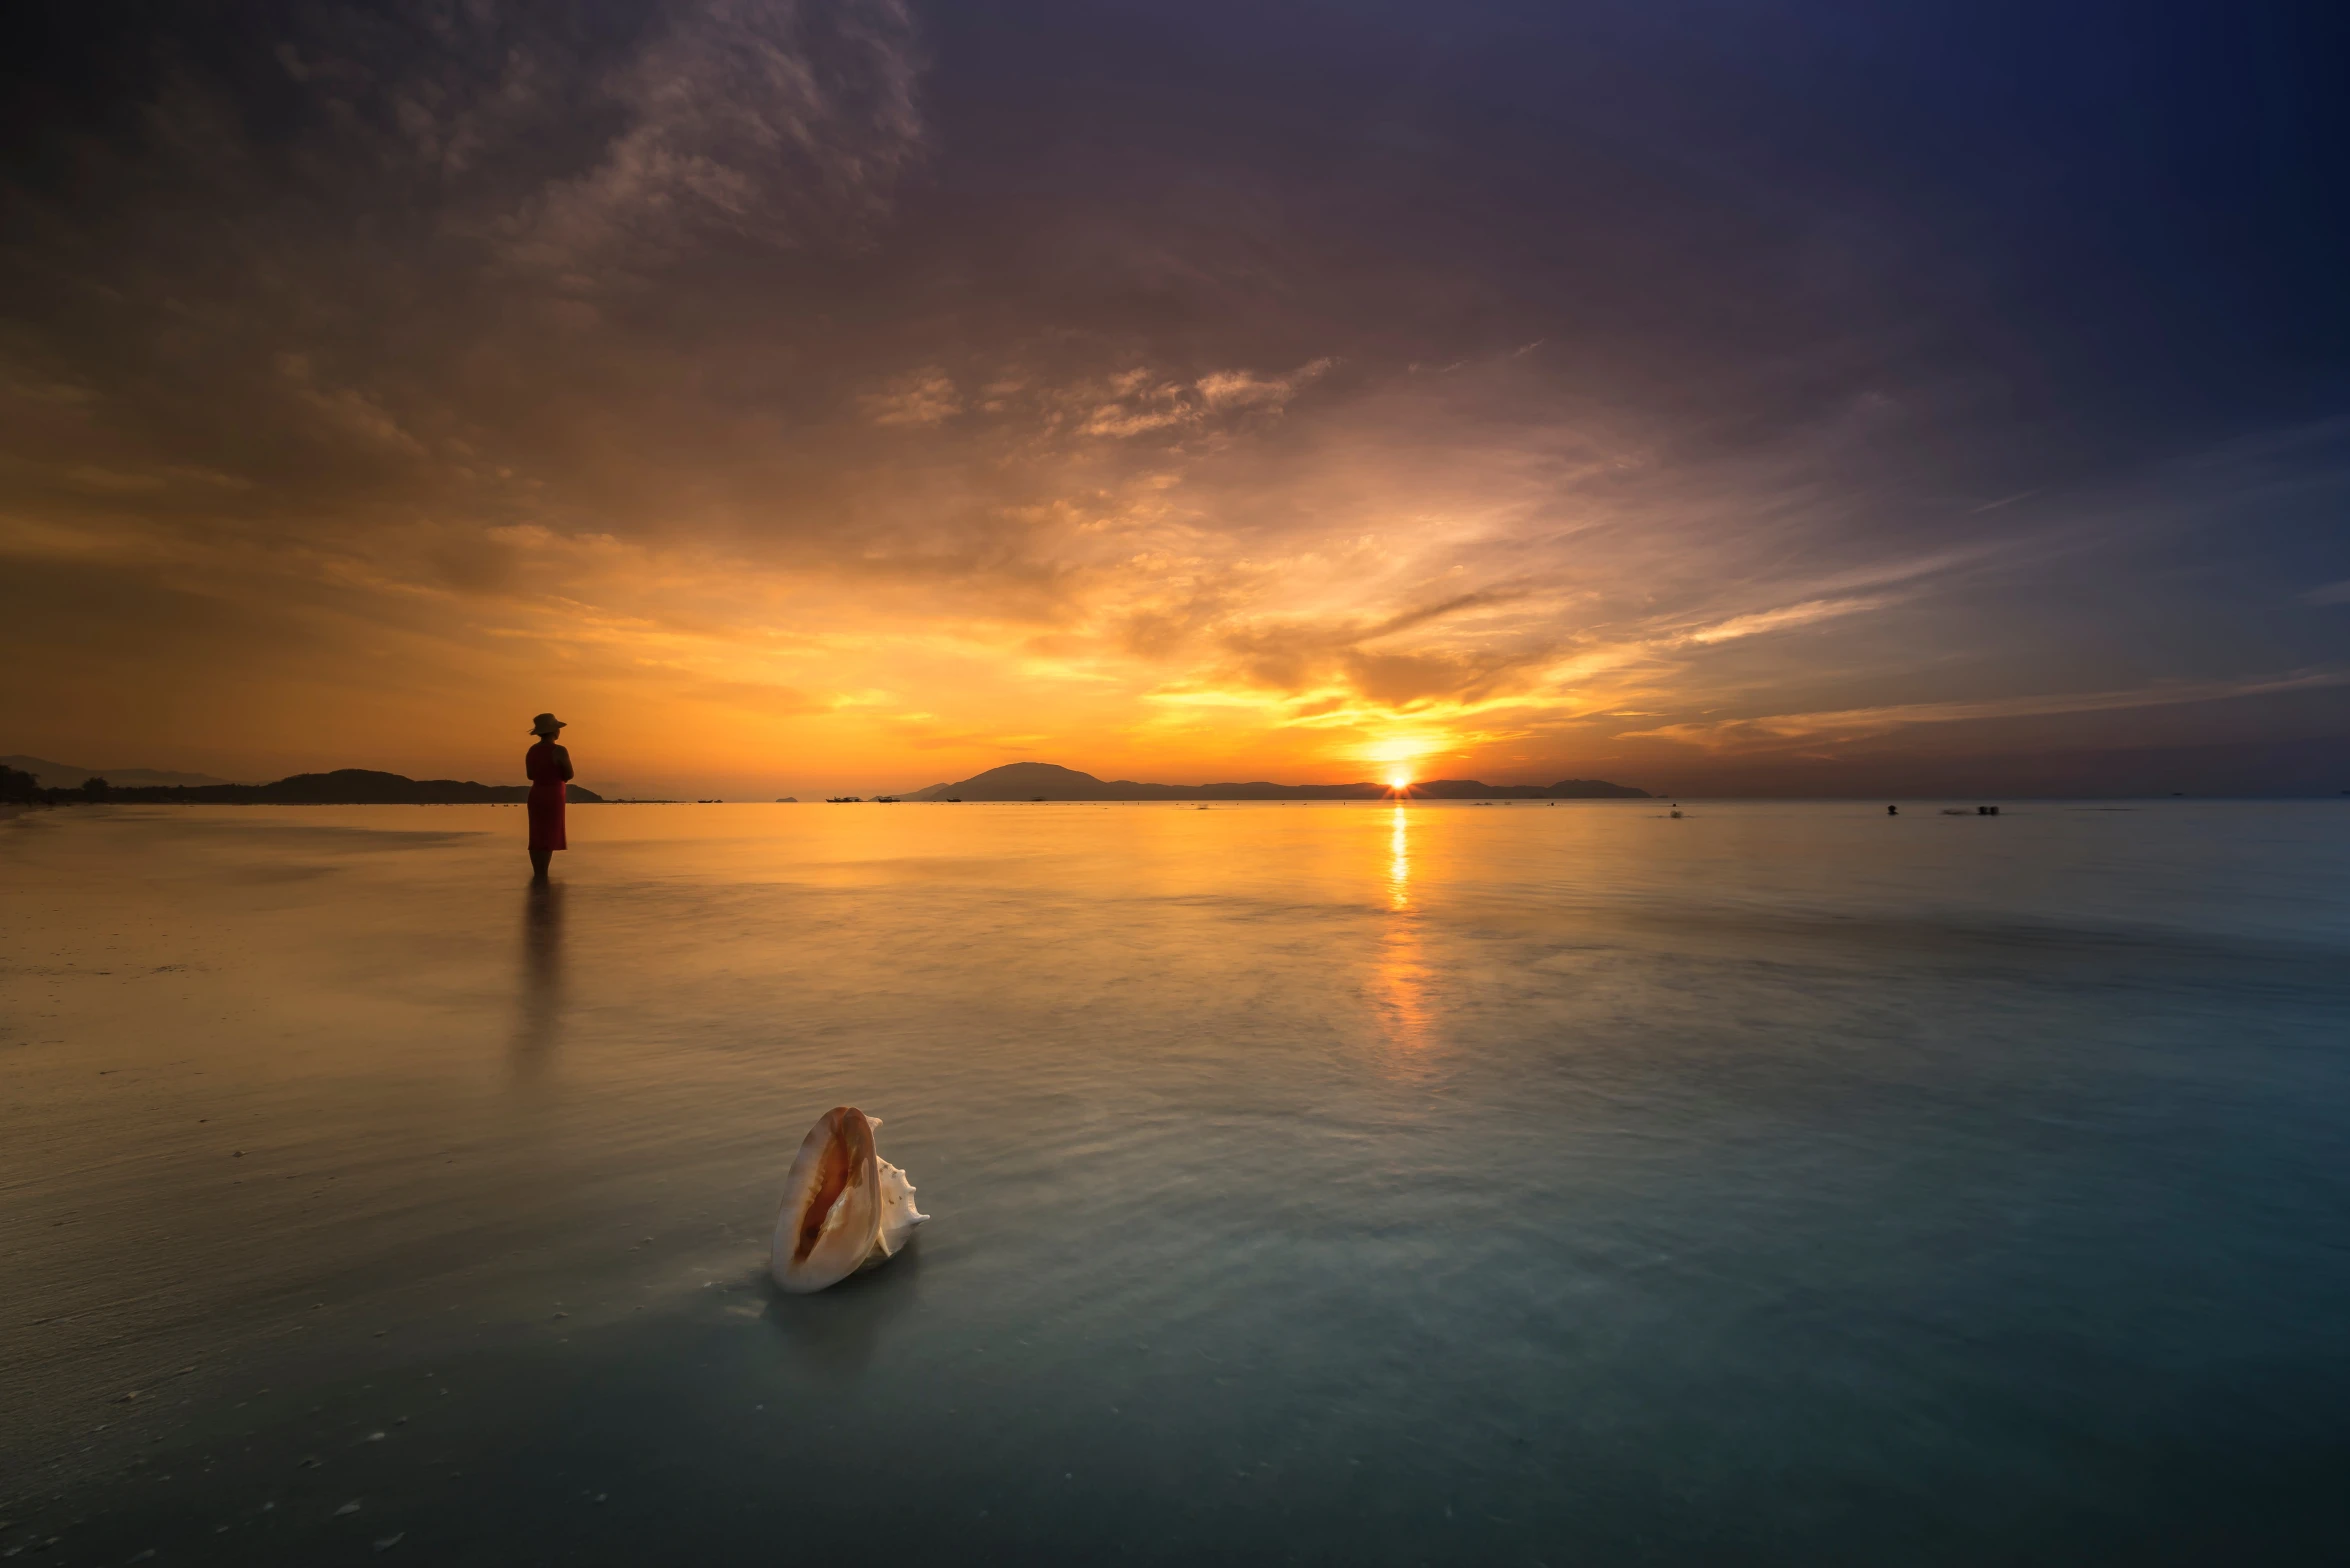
549	767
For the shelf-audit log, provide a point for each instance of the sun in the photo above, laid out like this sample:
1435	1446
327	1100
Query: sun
1399	755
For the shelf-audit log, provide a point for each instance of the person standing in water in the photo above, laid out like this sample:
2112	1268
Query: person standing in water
549	767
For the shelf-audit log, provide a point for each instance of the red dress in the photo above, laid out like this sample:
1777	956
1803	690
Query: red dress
549	766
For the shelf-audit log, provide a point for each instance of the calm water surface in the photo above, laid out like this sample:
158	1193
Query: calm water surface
1346	1184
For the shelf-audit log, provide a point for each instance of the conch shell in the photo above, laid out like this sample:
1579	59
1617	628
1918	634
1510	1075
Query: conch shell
845	1208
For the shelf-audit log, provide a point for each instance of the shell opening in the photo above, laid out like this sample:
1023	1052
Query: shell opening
847	1151
831	1181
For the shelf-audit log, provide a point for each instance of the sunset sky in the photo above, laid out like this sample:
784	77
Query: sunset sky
802	397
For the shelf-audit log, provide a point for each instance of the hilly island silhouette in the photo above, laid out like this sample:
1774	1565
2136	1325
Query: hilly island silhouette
342	787
1015	781
1050	781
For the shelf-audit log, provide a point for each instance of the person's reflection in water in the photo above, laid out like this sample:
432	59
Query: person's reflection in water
542	978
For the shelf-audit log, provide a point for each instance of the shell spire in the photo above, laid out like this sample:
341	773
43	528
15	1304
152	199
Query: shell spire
845	1208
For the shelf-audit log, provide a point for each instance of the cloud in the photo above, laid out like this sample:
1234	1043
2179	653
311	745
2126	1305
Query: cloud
591	146
1330	662
1807	614
1458	604
1136	403
922	397
348	411
91	476
1857	723
1401	681
1117	419
777	123
2331	593
1246	389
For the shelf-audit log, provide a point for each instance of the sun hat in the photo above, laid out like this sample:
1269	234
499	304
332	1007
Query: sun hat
545	724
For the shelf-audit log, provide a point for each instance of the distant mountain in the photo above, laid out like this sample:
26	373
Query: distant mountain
60	775
343	787
1049	781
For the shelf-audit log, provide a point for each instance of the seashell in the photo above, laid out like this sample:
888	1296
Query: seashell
845	1208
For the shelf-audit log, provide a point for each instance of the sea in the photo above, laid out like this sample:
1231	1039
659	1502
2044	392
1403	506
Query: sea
1348	1183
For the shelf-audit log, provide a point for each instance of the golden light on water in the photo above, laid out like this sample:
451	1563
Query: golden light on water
1401	980
1399	862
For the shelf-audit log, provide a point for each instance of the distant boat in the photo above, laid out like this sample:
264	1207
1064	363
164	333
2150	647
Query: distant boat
885	800
844	800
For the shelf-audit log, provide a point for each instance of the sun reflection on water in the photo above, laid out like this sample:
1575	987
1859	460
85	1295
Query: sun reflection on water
1400	984
1399	863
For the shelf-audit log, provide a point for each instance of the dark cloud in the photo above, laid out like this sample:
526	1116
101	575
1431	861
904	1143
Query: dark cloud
1204	378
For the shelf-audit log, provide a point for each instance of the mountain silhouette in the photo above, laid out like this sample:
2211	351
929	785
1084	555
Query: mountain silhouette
1050	781
342	787
64	775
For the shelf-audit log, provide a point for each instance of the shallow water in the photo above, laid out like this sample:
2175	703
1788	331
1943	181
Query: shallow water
1783	1183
